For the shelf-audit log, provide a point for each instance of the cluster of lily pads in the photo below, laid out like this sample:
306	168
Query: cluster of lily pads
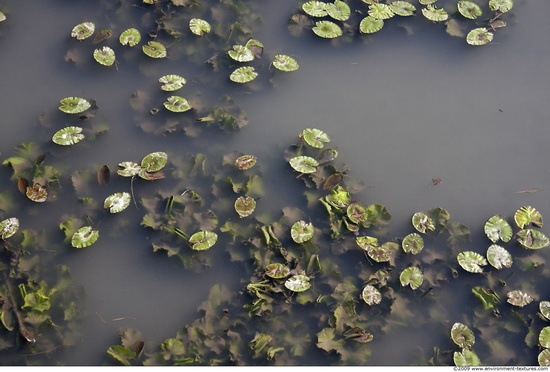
334	19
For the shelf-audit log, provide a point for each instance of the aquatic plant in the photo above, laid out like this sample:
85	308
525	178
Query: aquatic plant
83	30
154	49
68	136
243	74
172	82
105	56
130	36
74	105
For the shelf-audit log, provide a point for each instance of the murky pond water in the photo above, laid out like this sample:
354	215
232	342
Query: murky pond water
422	120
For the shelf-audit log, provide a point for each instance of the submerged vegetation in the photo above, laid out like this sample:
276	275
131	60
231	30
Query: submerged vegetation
326	277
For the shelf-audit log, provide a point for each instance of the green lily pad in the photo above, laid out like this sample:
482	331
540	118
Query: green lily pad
371	295
327	29
117	202
8	227
412	243
412	276
245	162
83	30
402	8
104	56
199	26
240	53
469	9
37	193
497	228
532	239
130	37
243	74
203	240
527	215
74	105
380	11
338	10
177	104
426	2
366	241
2	17
499	257
471	261
479	36
462	336
256	46
370	25
154	49
304	164
422	222
315	8
544	307
277	271
501	5
519	298
245	206
68	136
314	137
544	337
466	357
544	357
171	83
382	253
435	14
154	161
128	169
302	231
285	63
298	283
84	237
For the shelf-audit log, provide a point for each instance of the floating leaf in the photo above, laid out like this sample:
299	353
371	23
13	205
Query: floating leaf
203	240
74	105
298	283
304	164
469	9
544	337
256	47
479	36
314	137
129	169
466	357
382	253
245	162
171	83
130	37
366	241
285	63
83	30
544	307
240	53
154	161
462	336
199	26
2	18
519	298
422	222
527	215
371	295
245	206
117	202
370	25
8	227
544	357
338	10
498	228
37	193
501	5
68	136
243	74
412	243
499	257
411	276
532	239
154	49
380	11
177	104
315	8
471	261
327	29
302	231
84	237
435	14
402	8
277	271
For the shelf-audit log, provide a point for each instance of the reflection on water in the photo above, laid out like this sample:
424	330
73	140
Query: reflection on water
402	107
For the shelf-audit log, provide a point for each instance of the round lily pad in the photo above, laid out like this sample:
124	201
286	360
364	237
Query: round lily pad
84	237
501	5
314	137
68	136
366	241
277	271
462	336
240	53
544	357
298	283
469	9
245	206
117	202
544	337
304	164
243	74
371	295
532	239
370	25
172	82
130	37
74	105
435	14
302	231
382	253
471	261
315	8
412	276
422	222
380	11
83	30
327	29
129	169
412	243
177	104
285	63
104	56
37	193
519	298
154	49
466	358
544	307
203	240
154	161
338	10
479	36
8	227
245	162
527	215
199	26
497	228
402	8
499	257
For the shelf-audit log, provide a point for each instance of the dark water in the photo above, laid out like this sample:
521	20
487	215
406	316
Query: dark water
402	107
